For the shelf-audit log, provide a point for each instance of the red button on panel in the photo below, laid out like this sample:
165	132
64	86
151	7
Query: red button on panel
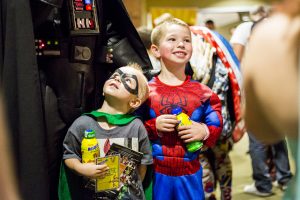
88	7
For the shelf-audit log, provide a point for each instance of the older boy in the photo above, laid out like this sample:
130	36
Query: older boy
178	174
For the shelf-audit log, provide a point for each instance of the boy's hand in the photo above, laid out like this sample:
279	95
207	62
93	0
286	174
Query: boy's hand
166	123
91	170
194	132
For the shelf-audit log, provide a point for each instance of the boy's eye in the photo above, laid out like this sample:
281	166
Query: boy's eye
187	40
128	80
171	39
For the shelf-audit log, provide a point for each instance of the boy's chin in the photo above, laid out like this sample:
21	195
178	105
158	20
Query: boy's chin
111	92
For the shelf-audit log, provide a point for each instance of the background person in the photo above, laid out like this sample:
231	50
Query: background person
276	104
242	32
210	24
145	35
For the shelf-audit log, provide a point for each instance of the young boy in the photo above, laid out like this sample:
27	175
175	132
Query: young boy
177	172
124	91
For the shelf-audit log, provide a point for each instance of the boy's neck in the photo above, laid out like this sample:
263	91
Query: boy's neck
172	77
110	109
107	108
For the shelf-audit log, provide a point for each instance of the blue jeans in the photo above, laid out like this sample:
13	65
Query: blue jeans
261	176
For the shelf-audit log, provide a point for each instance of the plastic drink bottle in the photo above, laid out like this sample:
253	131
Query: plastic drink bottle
89	147
185	120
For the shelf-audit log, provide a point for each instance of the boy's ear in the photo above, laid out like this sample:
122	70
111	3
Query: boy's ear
135	103
155	51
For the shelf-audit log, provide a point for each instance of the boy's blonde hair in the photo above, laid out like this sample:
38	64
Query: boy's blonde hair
159	30
143	92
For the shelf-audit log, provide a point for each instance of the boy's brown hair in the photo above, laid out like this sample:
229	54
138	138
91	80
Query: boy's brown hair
159	30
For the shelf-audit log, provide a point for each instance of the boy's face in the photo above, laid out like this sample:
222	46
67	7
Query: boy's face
175	47
123	84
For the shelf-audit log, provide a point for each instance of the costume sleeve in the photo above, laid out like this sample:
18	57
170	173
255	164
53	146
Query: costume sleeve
213	119
149	118
72	144
151	129
144	145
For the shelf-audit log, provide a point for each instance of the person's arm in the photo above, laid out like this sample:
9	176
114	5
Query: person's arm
194	132
158	125
151	128
72	151
270	70
238	50
142	169
8	186
149	122
240	38
145	148
90	170
211	128
75	165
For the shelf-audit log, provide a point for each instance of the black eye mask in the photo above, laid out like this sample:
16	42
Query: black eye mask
123	76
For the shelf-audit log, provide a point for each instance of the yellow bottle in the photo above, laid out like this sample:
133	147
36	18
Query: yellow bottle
89	147
185	120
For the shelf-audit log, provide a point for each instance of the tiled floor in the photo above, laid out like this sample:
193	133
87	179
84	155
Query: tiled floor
242	173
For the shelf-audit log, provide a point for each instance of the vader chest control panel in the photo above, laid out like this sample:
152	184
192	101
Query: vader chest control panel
83	17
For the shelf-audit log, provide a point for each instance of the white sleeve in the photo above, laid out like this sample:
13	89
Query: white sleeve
241	33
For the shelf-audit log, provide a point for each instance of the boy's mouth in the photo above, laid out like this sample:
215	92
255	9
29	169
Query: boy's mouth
180	53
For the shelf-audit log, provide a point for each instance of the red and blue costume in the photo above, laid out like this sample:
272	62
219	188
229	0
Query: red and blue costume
175	168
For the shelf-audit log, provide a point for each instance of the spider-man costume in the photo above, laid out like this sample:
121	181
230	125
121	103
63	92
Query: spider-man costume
171	159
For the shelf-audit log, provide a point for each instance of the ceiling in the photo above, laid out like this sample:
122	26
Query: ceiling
204	3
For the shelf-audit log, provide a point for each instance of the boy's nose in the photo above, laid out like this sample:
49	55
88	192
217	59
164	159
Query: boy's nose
180	44
117	78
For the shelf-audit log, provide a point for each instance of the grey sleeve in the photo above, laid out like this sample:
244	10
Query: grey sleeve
72	143
144	145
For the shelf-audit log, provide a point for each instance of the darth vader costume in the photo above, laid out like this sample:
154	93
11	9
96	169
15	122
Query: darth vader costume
55	56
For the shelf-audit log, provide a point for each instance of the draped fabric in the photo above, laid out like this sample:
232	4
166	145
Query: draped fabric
208	43
22	97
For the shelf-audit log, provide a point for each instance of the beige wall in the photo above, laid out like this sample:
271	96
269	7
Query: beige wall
138	9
